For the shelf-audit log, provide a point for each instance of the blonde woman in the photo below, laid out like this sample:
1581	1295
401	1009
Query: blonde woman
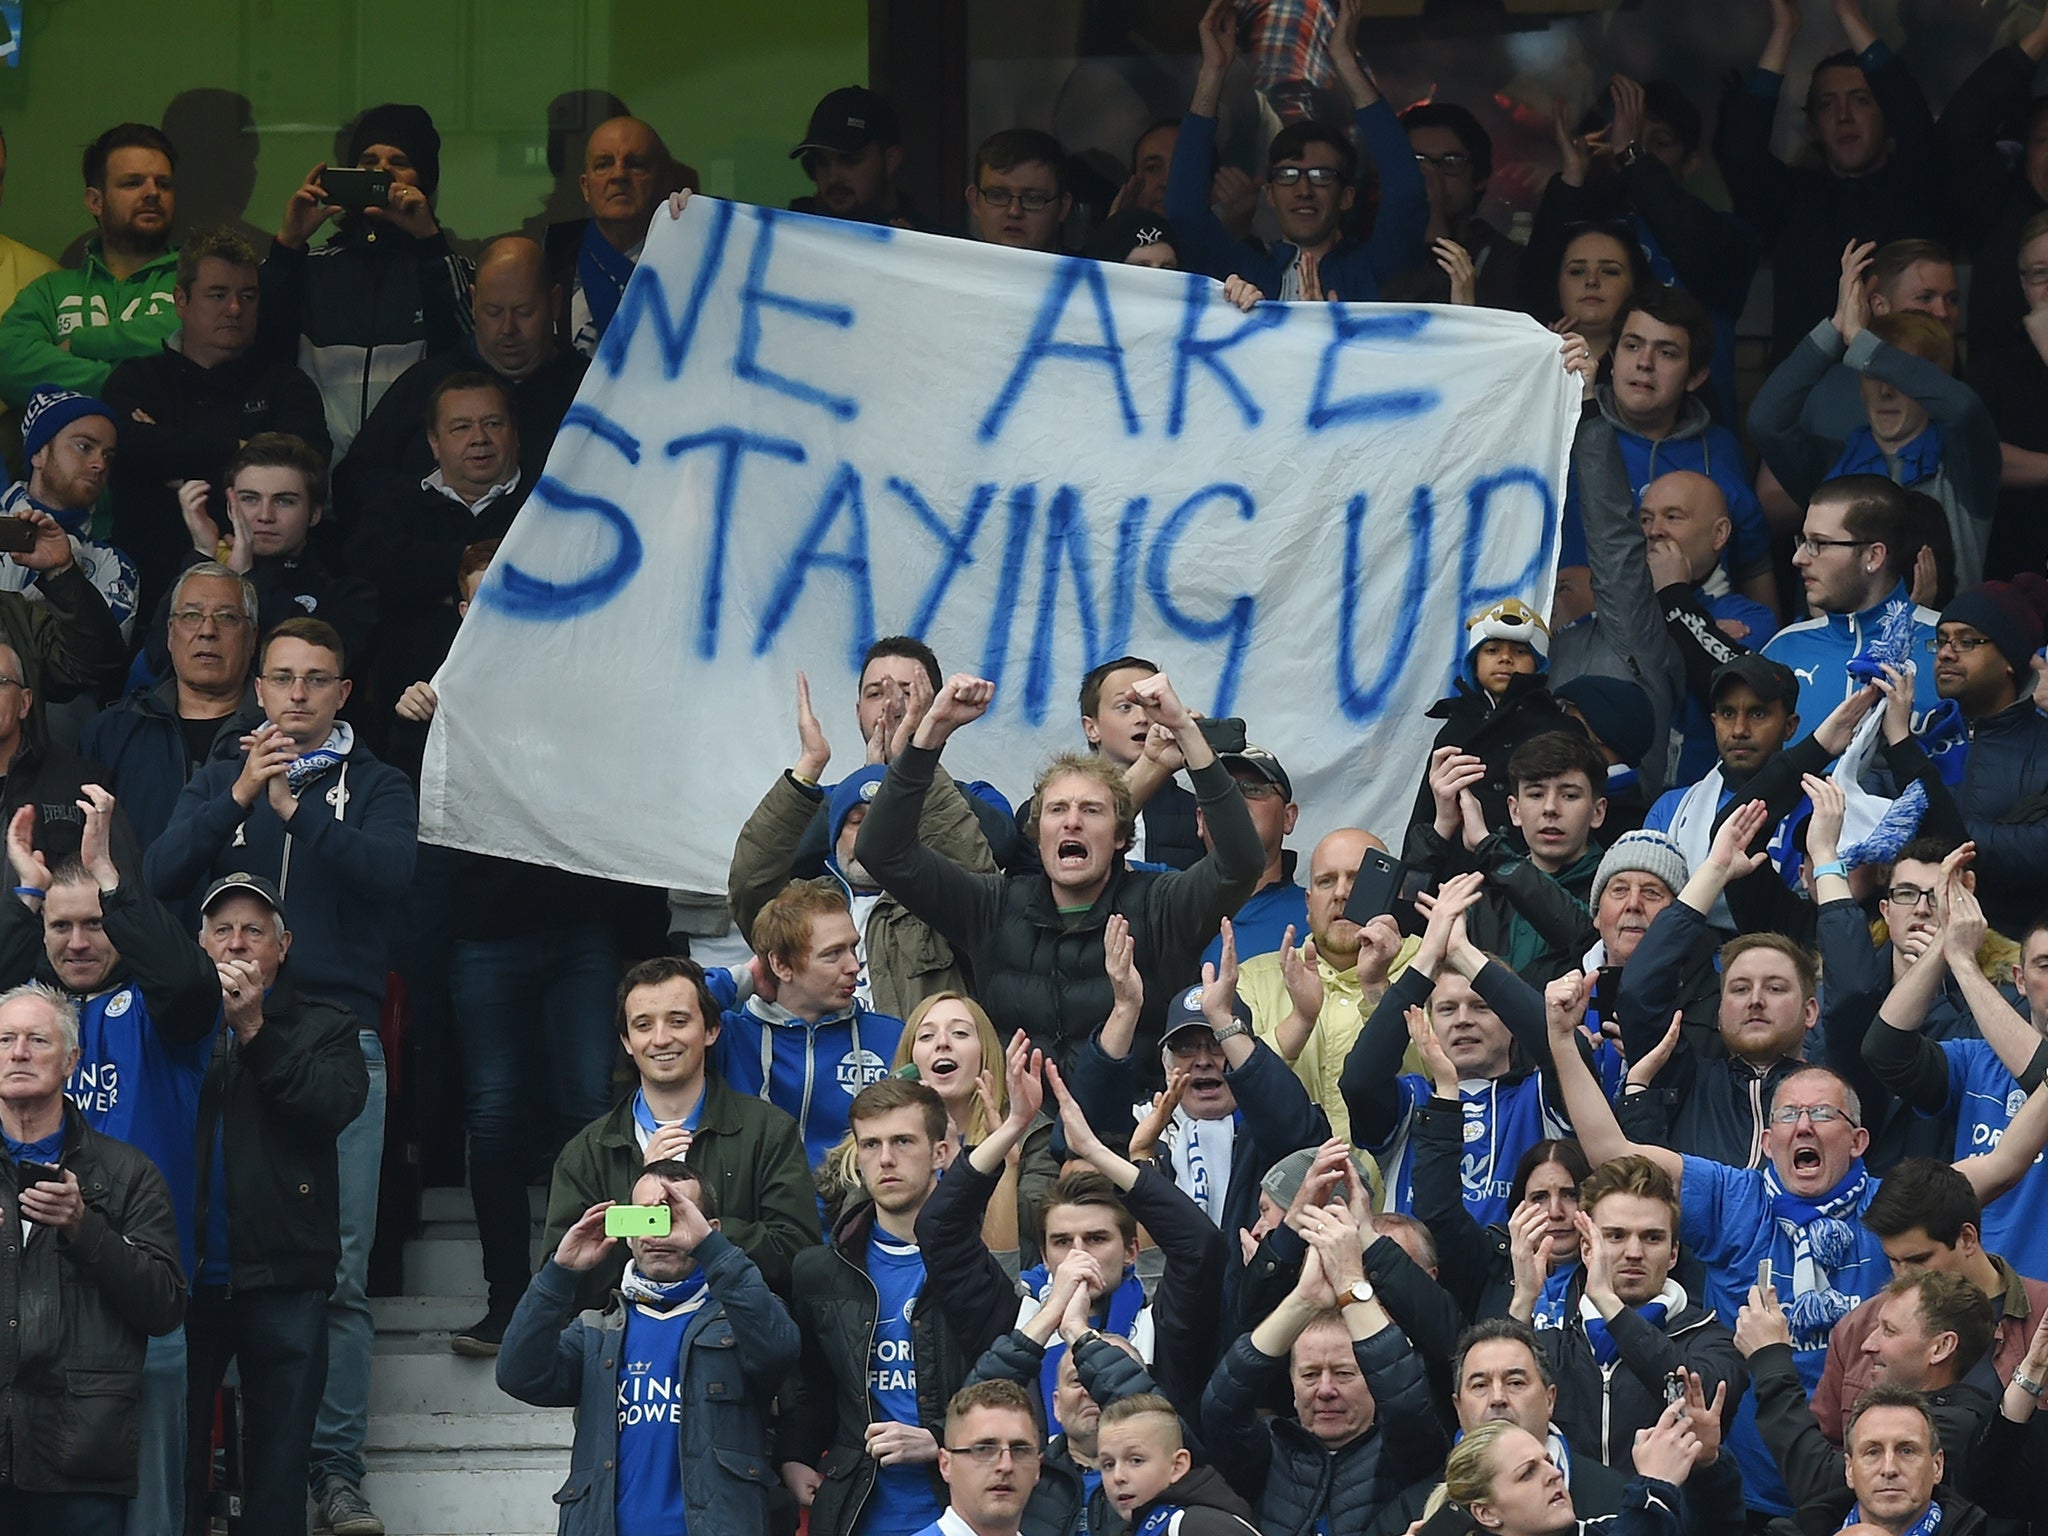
951	1042
1502	1477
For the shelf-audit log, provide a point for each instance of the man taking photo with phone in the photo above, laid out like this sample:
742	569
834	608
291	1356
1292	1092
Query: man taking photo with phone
671	1383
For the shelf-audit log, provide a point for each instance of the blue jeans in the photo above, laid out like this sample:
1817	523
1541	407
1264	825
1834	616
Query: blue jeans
278	1339
159	1502
534	1016
344	1420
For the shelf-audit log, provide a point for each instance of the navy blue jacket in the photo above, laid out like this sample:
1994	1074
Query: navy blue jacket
2004	801
1275	1117
341	865
142	746
1353	269
1719	1105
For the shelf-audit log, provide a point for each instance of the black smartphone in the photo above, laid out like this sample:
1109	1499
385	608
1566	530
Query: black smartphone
1225	735
1606	992
1406	915
39	1173
1376	887
1451	1520
356	189
17	534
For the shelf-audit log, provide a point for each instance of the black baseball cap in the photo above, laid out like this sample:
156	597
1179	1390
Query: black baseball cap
1258	760
847	121
242	880
1769	680
1185	1012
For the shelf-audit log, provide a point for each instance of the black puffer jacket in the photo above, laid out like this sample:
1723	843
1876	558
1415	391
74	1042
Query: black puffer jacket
825	1405
78	1313
1037	969
281	1101
1298	1484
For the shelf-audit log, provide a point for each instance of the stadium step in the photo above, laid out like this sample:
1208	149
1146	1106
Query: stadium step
448	1453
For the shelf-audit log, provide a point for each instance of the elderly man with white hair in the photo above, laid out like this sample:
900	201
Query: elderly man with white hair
95	1273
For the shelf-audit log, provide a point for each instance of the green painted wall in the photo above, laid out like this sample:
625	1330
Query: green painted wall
729	86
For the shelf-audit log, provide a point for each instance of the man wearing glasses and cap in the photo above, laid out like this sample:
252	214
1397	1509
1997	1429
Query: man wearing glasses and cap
853	152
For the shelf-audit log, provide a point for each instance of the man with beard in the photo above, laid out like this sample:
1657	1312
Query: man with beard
68	441
853	152
69	328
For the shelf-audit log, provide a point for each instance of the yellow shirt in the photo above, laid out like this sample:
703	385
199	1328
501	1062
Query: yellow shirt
1321	1062
20	265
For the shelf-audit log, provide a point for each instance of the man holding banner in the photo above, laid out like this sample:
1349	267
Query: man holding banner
1035	942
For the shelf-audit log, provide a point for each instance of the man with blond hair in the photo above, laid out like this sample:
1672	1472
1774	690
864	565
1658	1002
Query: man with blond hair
1039	944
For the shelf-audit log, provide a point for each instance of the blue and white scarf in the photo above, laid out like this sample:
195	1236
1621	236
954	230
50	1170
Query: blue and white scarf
1656	1313
308	766
604	270
1926	1525
1553	1302
662	1297
1823	1237
1125	1303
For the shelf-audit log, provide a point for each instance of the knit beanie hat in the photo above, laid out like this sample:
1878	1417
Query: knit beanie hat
50	410
855	789
1648	853
2000	611
405	127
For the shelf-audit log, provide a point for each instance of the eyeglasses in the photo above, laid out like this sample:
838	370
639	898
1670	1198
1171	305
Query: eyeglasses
1455	163
1259	790
1812	544
2034	277
1000	198
1318	175
1962	645
12	682
223	618
1910	896
988	1452
316	682
1819	1114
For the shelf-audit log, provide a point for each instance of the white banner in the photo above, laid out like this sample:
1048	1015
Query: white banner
802	434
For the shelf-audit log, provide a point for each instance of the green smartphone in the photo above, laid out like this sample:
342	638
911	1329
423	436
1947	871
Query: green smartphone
636	1221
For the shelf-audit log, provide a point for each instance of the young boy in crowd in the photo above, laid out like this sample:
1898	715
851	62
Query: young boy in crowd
1498	701
1535	911
1151	1477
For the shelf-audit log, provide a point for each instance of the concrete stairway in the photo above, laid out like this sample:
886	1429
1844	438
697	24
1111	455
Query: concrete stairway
449	1454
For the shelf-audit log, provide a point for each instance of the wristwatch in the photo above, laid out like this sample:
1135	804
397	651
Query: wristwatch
1832	867
1631	152
1359	1291
2027	1384
1232	1030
